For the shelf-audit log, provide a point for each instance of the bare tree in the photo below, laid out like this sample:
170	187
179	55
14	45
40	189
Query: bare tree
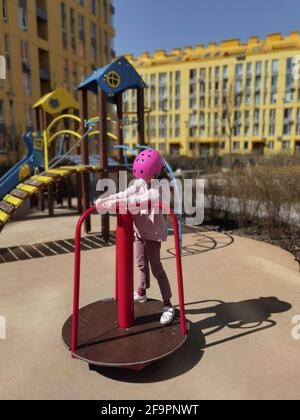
228	108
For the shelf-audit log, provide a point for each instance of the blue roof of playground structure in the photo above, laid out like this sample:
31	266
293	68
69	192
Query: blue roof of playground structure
123	74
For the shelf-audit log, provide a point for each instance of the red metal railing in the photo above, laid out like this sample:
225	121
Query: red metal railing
77	267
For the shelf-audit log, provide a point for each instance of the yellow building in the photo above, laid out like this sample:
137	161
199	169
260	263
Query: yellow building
229	97
48	44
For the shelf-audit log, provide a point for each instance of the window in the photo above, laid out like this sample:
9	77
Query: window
27	83
134	100
2	118
177	90
236	145
81	36
272	125
171	91
93	34
225	72
28	115
11	115
171	126
93	7
177	126
258	68
72	30
256	122
4	10
193	125
153	91
23	15
208	124
193	89
237	123
163	101
286	145
202	124
216	124
298	122
247	123
126	133
289	83
266	82
105	11
75	74
66	73
153	127
162	127
271	145
162	148
64	25
287	121
202	87
239	71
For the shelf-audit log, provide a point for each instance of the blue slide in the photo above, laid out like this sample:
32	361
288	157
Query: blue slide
11	179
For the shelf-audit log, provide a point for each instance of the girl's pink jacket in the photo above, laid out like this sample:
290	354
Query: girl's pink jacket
148	224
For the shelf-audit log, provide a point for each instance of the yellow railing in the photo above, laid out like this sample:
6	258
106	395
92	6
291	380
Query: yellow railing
62	117
48	138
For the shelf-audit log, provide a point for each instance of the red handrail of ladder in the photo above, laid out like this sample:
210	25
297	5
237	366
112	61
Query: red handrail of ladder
77	267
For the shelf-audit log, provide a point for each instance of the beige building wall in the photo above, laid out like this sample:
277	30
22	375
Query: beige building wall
42	41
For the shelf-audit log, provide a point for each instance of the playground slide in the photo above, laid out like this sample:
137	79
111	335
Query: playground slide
20	171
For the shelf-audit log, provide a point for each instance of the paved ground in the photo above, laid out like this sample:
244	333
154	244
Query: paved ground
241	297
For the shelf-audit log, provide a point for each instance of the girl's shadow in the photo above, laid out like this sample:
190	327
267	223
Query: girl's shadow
246	317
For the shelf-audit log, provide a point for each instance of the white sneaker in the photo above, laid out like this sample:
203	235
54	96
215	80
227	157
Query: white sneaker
167	316
140	299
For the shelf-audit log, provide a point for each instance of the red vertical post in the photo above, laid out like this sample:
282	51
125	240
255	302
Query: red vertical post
124	273
85	160
76	293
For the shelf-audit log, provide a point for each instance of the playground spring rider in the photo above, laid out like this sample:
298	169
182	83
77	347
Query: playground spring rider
115	332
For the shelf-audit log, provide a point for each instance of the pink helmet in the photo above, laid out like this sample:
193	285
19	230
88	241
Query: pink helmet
148	164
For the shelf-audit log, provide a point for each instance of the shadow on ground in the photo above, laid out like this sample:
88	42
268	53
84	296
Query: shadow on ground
204	242
240	318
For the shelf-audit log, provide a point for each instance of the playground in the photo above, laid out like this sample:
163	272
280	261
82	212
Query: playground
240	345
235	298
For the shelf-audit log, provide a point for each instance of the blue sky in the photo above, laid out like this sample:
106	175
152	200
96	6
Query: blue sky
148	25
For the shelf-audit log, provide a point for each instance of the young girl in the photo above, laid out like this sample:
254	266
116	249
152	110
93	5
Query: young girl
150	229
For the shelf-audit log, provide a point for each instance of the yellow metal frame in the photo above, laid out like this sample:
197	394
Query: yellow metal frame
48	139
61	132
62	117
96	133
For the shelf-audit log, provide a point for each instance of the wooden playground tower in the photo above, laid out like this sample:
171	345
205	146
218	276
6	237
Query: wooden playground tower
109	84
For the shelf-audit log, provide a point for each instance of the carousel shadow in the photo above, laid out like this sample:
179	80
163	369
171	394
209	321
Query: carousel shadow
204	242
244	318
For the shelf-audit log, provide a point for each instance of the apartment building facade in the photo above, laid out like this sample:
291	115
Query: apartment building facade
225	98
48	44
